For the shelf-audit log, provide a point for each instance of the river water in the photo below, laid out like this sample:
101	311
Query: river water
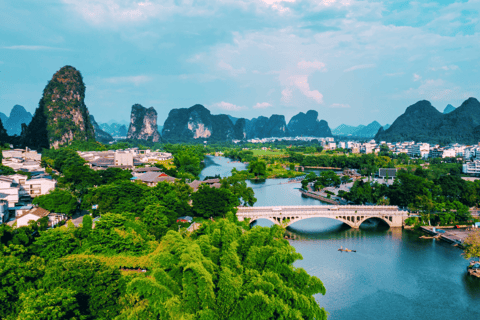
393	274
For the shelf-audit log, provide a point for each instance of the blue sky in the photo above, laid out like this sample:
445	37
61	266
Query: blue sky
352	61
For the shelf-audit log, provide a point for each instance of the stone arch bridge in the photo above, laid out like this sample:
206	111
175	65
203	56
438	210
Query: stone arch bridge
353	216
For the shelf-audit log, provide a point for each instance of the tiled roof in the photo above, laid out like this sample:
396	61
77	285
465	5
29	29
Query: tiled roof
147	169
155	177
39	212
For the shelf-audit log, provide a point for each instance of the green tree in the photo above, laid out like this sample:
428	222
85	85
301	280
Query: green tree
188	161
41	304
258	168
472	245
225	273
87	224
59	201
156	219
113	175
17	277
245	194
56	243
80	179
98	286
119	233
212	202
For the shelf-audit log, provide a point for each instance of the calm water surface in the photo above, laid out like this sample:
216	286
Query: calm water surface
393	274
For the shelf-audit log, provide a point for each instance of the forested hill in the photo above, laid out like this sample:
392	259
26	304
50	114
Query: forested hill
61	116
422	122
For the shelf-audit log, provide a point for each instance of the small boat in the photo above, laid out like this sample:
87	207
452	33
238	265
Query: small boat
346	250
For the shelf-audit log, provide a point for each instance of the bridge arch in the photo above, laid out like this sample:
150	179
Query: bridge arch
347	222
376	217
252	220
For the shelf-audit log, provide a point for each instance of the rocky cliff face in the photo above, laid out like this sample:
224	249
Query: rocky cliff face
197	123
421	122
100	135
61	116
143	124
18	115
308	125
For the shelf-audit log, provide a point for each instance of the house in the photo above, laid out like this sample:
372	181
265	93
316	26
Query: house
36	214
387	172
123	159
152	178
213	183
145	169
186	219
9	190
37	187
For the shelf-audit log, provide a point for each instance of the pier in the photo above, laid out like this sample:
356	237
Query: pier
318	197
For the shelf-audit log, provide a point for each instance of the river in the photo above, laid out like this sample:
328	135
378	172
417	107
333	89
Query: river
393	274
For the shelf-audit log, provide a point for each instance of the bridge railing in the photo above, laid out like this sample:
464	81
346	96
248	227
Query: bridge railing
321	213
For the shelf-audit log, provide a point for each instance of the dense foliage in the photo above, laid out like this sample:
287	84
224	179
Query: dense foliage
224	273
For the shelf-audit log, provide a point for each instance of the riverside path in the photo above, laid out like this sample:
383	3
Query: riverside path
353	216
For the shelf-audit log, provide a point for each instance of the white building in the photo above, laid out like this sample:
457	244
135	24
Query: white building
419	150
34	214
471	167
442	153
39	187
9	191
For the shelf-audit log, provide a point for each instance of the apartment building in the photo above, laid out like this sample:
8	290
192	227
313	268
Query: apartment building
471	167
419	150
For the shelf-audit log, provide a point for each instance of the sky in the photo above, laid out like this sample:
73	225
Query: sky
352	61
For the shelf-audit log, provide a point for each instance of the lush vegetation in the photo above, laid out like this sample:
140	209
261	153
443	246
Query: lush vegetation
437	200
225	270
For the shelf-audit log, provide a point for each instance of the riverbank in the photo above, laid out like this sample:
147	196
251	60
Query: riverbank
455	236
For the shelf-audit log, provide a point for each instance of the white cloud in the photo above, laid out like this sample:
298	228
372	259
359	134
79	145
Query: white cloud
416	77
136	80
262	105
446	68
300	82
228	106
360	66
339	105
316	65
276	1
32	48
436	90
234	72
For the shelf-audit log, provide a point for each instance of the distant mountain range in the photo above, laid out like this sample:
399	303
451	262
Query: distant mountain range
196	122
62	117
422	122
13	123
368	131
114	129
449	108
